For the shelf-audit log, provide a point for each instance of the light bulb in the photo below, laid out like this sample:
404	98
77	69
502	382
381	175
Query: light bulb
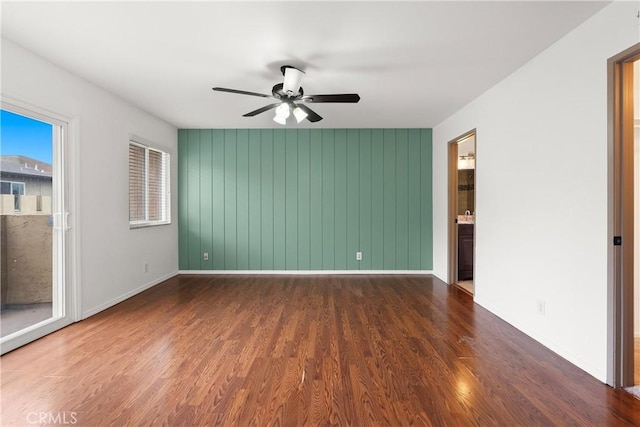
279	119
300	114
283	110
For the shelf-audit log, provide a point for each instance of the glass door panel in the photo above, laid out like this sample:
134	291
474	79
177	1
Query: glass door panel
31	231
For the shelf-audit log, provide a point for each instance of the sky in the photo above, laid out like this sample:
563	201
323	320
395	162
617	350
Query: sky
25	136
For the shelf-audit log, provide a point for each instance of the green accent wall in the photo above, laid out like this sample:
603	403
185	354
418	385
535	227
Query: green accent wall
305	199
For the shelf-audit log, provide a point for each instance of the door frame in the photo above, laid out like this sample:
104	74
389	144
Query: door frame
452	229
620	153
65	165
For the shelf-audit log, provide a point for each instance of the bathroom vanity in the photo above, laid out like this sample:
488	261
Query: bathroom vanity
465	251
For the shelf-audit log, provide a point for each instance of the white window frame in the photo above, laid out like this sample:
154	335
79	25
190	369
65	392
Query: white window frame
166	196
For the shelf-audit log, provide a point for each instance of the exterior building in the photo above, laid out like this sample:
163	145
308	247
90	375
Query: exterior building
25	186
26	229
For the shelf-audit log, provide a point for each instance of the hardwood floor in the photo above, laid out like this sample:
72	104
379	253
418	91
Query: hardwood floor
306	350
466	285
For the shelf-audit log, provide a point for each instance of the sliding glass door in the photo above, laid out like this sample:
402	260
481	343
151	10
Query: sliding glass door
34	292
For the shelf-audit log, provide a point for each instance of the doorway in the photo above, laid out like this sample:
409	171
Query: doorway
624	223
462	202
35	288
636	225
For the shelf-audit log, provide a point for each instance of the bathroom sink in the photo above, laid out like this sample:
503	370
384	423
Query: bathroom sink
466	219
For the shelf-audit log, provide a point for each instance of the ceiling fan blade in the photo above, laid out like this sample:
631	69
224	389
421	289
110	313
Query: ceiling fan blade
343	97
241	92
261	110
312	116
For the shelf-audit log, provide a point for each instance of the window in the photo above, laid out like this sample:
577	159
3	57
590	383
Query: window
149	197
15	188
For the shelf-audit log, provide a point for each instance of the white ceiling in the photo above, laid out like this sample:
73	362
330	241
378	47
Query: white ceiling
413	63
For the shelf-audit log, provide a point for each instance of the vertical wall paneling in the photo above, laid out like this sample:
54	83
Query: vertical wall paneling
389	200
315	199
303	207
279	200
217	161
242	199
413	191
364	199
377	200
230	200
255	196
328	199
183	199
291	199
305	199
193	204
340	185
402	200
266	145
353	199
206	201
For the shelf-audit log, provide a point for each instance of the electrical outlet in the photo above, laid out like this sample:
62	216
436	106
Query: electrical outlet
358	256
146	267
205	256
541	307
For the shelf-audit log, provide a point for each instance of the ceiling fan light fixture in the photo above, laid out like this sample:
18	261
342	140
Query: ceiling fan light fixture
299	114
287	95
292	79
280	120
283	110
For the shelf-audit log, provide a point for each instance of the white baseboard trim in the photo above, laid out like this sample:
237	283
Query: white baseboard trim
307	272
128	295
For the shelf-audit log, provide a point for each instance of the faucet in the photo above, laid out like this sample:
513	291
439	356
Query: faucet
467	212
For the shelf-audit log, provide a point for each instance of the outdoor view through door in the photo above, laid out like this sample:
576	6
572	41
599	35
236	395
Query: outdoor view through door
31	249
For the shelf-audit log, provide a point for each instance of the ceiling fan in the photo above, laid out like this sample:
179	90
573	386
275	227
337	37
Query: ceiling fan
290	98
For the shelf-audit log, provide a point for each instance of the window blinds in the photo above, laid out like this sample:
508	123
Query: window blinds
148	186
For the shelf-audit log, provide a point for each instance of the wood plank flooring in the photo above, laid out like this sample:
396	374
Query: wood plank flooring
297	351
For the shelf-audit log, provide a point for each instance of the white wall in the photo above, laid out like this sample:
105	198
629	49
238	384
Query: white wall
541	188
111	256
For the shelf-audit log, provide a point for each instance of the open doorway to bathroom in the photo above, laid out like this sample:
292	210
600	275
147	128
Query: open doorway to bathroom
636	216
462	179
624	221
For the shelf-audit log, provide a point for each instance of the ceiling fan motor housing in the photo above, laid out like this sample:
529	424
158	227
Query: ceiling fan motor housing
278	92
292	79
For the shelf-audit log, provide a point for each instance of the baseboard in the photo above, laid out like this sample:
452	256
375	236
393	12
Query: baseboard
128	295
307	272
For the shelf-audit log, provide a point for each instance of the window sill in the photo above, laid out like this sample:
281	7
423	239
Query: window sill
133	226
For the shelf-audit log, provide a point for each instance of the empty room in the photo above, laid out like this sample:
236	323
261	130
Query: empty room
320	213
